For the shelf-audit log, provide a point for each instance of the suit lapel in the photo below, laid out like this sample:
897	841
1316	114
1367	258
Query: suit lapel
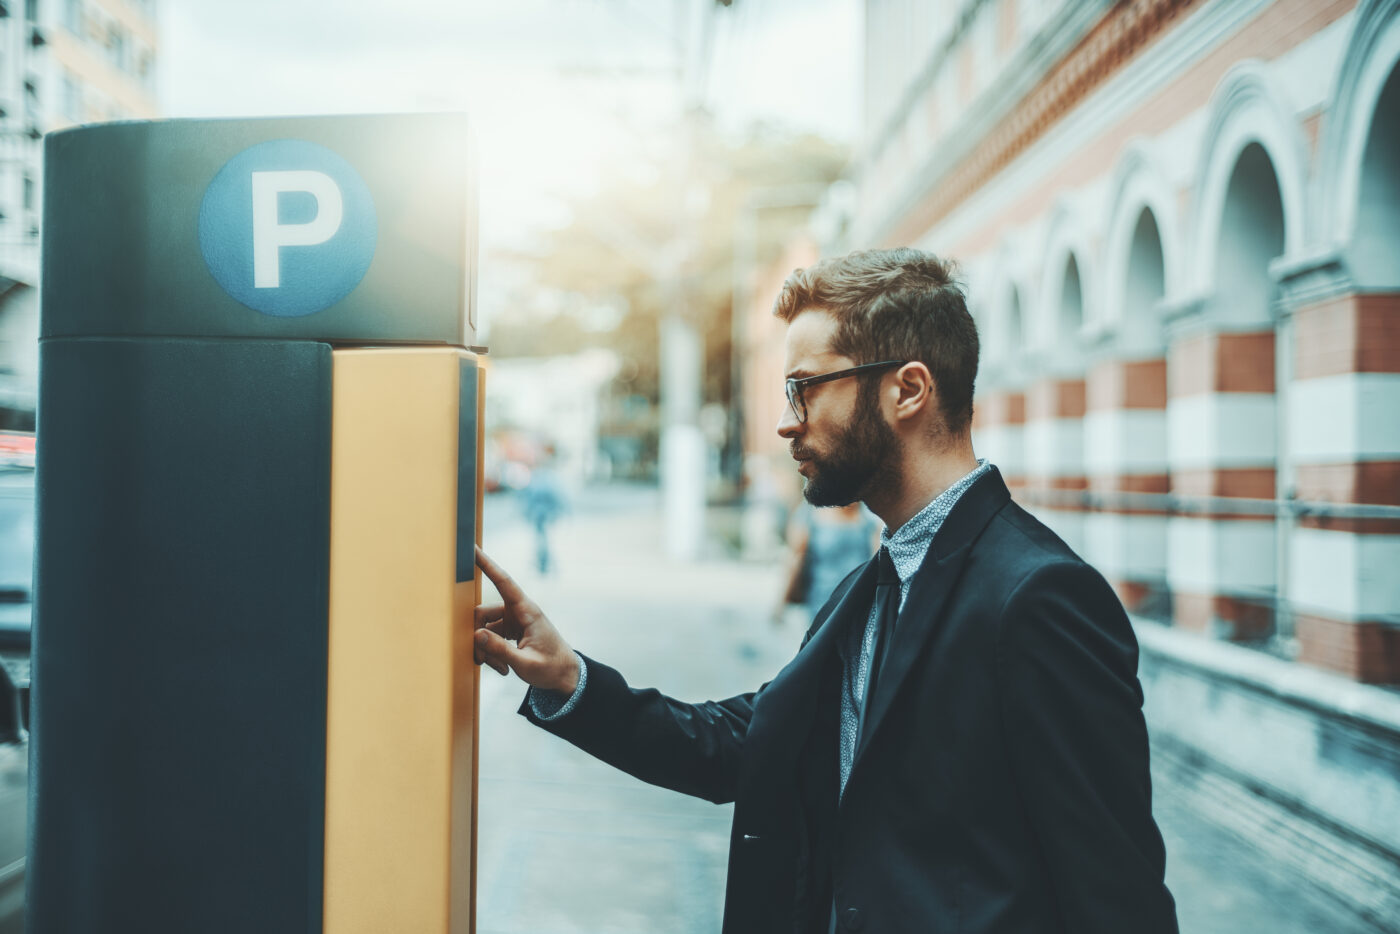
786	706
854	603
802	673
932	585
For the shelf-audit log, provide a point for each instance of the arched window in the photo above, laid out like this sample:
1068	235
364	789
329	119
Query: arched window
1251	236
1145	282
1070	317
1378	205
1014	341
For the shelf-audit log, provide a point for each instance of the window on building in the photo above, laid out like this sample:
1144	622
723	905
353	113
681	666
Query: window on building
28	192
116	46
1070	320
31	10
1014	340
73	99
984	46
142	62
73	16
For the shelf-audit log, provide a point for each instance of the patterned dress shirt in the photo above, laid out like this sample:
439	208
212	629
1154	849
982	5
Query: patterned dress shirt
907	547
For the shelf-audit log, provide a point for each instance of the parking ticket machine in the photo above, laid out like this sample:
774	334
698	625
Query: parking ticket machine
259	484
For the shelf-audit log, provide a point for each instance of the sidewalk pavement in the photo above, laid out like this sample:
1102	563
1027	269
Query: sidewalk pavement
570	846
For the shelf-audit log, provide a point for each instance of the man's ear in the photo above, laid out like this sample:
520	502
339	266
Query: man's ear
916	392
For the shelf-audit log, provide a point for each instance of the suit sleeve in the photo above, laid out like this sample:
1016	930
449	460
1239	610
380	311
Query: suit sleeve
690	748
1072	712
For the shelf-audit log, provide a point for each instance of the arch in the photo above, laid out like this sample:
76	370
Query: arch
974	273
1006	308
1144	285
1368	67
1066	250
1005	322
1245	111
1371	255
1139	190
1014	322
1069	313
1251	233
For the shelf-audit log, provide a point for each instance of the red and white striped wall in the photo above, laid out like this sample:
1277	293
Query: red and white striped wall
1344	436
1221	421
1054	456
998	433
1125	457
1208	409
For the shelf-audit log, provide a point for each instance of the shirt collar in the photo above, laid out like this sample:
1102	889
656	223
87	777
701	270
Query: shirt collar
909	543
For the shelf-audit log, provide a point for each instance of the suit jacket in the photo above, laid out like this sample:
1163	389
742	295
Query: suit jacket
1000	782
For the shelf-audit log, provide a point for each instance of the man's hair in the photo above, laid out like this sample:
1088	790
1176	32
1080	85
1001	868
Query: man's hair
899	304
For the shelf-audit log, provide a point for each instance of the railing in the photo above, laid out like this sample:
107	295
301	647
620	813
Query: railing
1287	512
1178	504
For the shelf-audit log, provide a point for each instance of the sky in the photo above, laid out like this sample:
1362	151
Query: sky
557	89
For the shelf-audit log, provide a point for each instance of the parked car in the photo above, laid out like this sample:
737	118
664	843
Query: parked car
16	555
16	579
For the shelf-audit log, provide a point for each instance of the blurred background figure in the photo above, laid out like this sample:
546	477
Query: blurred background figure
824	546
542	502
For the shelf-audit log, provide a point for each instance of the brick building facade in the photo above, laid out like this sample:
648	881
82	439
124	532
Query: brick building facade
1179	223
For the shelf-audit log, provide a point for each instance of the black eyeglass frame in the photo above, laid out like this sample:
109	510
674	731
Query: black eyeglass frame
795	387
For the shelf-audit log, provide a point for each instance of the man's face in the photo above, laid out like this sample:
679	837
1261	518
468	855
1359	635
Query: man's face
845	447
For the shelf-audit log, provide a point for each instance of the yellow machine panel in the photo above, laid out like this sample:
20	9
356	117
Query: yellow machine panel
402	687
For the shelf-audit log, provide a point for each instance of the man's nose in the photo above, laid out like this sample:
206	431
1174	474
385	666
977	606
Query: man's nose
788	425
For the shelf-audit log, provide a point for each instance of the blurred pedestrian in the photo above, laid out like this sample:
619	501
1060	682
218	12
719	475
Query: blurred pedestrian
542	502
959	744
824	546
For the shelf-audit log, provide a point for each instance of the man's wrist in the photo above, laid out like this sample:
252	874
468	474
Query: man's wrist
569	684
549	704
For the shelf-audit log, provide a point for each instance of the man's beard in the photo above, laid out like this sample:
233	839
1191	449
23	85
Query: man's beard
864	452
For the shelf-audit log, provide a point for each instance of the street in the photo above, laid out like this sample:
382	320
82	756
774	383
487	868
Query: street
570	846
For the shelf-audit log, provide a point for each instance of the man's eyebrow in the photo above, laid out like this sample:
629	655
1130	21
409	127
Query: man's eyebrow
799	373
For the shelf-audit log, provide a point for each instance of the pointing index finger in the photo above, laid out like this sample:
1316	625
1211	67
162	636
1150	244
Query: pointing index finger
506	586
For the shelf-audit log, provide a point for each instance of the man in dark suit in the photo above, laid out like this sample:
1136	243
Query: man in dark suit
959	745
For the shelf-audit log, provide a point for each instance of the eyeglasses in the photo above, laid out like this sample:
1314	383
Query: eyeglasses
796	387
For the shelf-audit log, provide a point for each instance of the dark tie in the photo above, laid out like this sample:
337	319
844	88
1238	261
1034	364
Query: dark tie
886	615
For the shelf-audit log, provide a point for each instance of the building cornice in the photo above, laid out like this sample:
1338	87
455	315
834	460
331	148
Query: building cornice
921	83
1050	45
1000	133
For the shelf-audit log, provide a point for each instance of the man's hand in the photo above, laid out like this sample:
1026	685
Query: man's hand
539	656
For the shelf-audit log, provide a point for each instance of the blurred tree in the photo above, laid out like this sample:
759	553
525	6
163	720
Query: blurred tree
660	228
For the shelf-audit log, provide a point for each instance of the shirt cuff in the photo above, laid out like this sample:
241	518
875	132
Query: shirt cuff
553	705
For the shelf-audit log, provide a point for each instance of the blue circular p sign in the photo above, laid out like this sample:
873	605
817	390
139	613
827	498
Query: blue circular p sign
287	228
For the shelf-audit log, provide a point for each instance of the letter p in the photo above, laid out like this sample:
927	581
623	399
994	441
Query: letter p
269	236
